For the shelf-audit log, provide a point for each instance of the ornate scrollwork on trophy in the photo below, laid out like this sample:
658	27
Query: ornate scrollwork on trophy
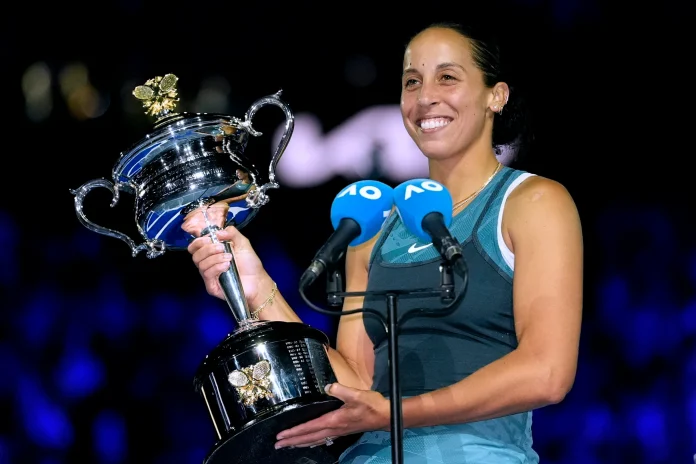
252	382
159	95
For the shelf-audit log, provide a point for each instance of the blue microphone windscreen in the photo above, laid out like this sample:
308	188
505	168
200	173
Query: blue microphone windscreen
416	198
367	202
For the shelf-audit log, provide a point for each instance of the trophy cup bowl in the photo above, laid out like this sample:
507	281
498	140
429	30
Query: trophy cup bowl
190	178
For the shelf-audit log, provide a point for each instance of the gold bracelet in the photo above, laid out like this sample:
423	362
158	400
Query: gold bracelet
269	300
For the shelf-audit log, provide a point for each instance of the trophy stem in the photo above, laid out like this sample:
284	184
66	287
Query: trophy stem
233	291
229	280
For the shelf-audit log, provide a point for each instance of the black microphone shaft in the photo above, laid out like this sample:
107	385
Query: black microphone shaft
348	229
448	247
434	225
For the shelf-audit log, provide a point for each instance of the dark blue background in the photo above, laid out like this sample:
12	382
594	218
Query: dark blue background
98	349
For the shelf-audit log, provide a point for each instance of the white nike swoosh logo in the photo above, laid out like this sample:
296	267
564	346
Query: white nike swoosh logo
413	248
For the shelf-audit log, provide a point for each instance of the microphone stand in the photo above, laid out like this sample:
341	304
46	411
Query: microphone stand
391	322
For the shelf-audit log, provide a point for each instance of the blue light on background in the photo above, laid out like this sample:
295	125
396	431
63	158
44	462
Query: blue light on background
38	318
79	373
114	316
45	420
110	437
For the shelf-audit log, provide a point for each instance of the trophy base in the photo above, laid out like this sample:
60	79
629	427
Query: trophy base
255	443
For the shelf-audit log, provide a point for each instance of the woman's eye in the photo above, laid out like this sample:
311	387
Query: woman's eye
410	82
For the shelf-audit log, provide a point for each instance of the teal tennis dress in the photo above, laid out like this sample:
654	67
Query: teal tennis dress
435	352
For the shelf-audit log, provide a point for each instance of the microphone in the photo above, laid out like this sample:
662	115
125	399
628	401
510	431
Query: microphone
425	207
357	214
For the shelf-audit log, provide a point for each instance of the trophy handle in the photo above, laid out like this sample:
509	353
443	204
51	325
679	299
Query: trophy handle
258	197
154	248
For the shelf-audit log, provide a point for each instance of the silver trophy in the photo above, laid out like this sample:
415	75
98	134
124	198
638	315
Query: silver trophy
190	178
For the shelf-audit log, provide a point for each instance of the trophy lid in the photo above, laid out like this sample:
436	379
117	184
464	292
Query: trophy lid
190	168
159	97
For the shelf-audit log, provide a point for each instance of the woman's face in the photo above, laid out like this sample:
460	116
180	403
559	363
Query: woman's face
444	100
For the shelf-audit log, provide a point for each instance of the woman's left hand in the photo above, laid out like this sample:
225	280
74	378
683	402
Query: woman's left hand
362	411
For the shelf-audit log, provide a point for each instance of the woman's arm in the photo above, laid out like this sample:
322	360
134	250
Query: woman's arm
353	358
352	341
541	226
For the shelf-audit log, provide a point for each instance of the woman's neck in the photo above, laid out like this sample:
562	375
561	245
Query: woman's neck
465	174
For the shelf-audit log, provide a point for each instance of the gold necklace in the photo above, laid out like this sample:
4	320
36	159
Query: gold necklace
460	203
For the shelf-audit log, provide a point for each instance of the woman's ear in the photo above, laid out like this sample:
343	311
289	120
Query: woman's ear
499	97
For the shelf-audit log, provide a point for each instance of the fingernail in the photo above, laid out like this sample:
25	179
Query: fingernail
327	388
219	247
227	256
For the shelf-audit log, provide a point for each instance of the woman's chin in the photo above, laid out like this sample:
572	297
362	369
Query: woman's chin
436	149
434	154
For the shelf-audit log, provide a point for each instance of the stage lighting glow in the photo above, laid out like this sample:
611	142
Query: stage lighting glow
36	85
83	99
110	437
47	424
79	373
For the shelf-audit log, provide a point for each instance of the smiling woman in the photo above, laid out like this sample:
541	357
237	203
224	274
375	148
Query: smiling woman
462	79
471	378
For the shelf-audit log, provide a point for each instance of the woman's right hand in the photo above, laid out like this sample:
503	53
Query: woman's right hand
212	260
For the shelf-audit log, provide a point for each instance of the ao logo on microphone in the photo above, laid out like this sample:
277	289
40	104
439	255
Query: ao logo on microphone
425	185
369	192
